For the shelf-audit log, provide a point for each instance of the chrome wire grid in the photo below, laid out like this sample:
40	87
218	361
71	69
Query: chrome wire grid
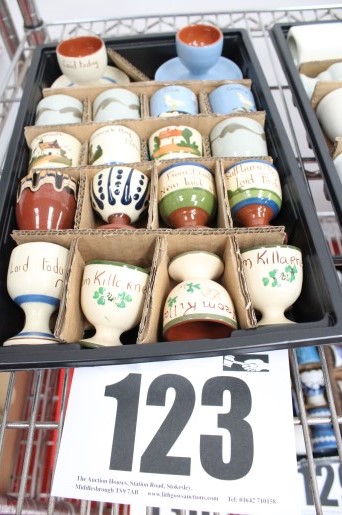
38	426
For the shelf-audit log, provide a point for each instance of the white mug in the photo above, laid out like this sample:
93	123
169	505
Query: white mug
329	114
315	42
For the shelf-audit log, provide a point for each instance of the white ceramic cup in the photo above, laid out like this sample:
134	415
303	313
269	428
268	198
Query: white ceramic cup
83	58
113	304
329	114
116	104
238	136
315	42
55	149
59	109
35	281
114	144
333	73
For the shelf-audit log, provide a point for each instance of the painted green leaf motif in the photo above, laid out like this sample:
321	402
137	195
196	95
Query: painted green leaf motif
99	296
186	133
292	270
124	298
191	287
273	275
171	301
265	281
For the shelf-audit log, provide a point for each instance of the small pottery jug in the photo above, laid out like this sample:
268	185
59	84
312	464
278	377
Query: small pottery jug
112	298
46	200
198	307
54	149
254	192
120	194
114	144
274	276
35	281
175	142
186	195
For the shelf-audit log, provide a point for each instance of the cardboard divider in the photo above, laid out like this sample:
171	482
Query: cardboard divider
144	90
126	66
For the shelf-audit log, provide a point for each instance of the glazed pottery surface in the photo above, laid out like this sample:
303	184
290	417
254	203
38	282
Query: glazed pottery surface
312	382
274	276
322	435
329	114
175	142
112	298
333	73
338	165
120	194
111	75
231	98
173	100
307	356
54	149
46	200
196	264
254	192
83	58
114	144
173	69
186	195
315	42
197	307
35	281
58	109
238	136
199	47
116	104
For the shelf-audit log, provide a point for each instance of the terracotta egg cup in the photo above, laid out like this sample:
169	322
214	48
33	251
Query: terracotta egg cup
82	59
199	34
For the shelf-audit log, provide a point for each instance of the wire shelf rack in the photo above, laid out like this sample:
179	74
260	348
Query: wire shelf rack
34	430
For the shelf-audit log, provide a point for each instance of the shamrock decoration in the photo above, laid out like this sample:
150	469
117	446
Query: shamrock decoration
99	295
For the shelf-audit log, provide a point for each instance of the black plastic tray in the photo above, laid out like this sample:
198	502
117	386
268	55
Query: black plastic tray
319	308
308	115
